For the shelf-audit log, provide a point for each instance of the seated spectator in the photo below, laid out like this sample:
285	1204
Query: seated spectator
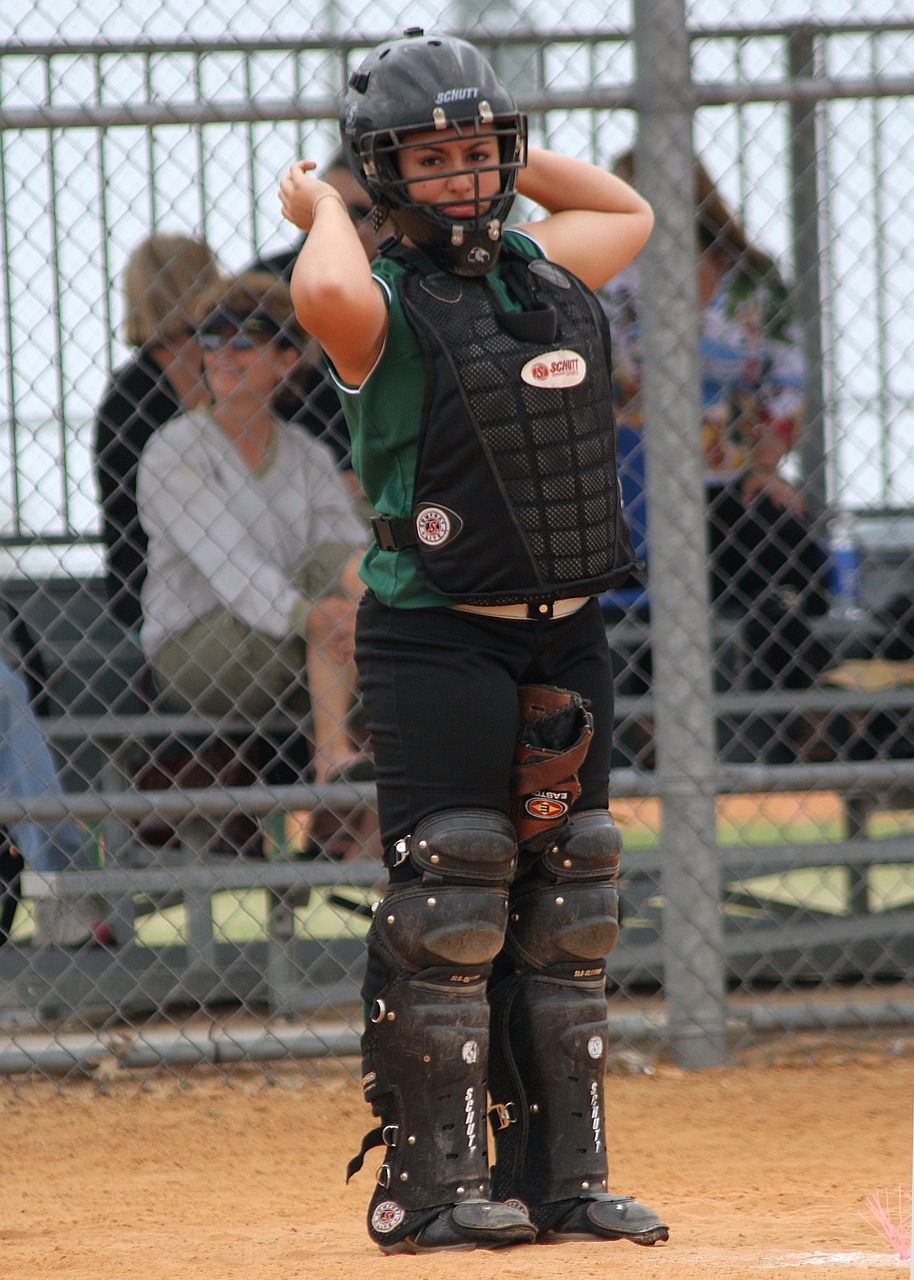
27	770
766	562
164	277
253	543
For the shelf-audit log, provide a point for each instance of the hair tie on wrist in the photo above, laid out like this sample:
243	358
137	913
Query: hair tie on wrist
325	195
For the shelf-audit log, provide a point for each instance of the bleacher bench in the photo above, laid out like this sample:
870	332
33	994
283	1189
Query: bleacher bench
94	724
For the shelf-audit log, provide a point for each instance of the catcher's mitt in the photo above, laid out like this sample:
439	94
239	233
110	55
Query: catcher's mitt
555	732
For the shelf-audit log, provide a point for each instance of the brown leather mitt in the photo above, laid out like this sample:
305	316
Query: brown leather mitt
555	732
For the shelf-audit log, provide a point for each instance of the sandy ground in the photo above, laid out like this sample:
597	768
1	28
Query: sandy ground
758	1169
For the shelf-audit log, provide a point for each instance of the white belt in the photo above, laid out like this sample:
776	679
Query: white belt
519	612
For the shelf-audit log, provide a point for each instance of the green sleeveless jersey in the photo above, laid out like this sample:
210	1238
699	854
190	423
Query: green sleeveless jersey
384	417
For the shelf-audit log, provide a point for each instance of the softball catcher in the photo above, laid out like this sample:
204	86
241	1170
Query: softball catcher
473	364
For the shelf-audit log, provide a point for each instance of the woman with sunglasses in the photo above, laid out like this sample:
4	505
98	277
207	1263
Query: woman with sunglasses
253	543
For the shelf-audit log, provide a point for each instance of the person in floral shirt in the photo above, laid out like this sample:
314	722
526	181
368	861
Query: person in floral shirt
765	556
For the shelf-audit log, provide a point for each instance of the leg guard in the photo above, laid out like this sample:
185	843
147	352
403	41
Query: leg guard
425	1050
549	1042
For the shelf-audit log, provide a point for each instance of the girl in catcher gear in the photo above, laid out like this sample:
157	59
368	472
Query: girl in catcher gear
473	365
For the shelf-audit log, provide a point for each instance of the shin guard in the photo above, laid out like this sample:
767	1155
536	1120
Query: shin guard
547	1059
546	1066
425	1048
425	1056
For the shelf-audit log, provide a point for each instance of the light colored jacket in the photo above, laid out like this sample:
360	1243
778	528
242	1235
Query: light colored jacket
221	534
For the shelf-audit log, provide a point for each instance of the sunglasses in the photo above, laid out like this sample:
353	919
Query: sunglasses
237	341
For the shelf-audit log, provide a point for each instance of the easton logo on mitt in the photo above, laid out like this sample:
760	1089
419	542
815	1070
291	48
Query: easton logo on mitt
555	731
548	805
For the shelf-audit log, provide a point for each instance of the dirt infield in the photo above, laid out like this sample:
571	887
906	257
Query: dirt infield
758	1170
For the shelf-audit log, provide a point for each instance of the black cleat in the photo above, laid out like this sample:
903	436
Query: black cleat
472	1224
600	1217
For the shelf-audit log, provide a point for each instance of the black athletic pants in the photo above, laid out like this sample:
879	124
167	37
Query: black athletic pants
440	695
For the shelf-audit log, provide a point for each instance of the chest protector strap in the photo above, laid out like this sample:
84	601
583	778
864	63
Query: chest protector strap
516	496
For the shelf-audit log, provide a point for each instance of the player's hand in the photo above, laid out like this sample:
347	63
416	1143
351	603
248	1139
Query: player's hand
299	194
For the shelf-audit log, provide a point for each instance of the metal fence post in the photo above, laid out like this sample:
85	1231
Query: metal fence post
807	292
693	954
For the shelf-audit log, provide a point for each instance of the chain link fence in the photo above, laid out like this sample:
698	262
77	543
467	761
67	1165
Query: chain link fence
198	837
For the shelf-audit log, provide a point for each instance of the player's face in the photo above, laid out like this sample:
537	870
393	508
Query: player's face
452	172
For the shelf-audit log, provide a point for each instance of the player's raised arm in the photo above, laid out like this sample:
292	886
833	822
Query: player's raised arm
334	295
597	222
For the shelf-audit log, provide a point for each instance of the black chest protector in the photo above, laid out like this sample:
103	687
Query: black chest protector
516	497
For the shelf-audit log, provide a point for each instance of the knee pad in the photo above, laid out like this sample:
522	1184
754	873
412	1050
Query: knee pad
588	847
455	914
565	911
464	846
569	928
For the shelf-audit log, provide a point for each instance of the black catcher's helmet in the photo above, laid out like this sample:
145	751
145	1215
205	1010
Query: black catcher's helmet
424	83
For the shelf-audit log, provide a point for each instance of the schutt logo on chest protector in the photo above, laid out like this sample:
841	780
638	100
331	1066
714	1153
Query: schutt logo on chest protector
555	369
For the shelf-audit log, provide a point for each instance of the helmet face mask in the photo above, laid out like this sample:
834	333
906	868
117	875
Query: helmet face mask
405	95
429	222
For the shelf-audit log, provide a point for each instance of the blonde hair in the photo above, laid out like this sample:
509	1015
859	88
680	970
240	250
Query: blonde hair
164	277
